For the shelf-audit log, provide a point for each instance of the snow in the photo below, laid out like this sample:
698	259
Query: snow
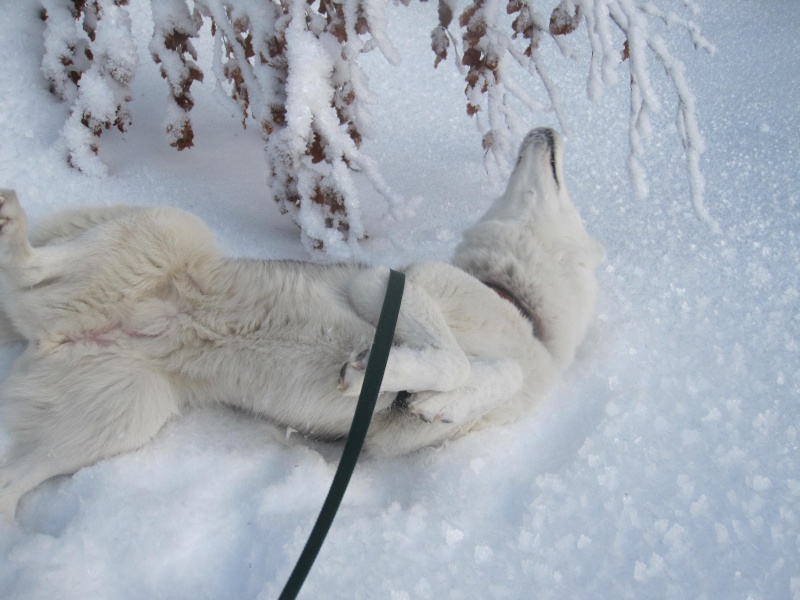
666	464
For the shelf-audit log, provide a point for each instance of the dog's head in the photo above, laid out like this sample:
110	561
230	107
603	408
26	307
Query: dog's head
536	197
532	242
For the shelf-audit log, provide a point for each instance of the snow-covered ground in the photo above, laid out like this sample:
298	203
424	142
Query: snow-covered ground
665	466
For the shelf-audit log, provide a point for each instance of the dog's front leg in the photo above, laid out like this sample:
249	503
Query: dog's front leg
490	383
409	369
426	356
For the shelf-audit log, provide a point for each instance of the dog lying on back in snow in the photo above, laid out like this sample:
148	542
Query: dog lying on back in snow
131	315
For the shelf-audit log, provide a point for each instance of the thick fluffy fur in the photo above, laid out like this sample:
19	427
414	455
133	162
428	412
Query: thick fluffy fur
132	314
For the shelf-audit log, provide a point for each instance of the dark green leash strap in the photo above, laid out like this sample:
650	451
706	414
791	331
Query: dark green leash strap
379	354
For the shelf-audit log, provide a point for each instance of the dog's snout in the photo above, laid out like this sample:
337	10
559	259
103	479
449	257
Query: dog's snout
545	141
542	137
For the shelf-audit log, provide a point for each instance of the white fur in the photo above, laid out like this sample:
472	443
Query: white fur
132	314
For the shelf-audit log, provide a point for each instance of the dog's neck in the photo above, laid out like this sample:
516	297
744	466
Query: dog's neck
506	295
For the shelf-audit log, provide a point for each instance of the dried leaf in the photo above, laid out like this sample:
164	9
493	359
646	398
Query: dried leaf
445	14
472	57
562	22
440	42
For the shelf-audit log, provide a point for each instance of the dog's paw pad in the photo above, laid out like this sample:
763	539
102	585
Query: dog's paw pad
351	375
430	408
350	380
430	417
361	360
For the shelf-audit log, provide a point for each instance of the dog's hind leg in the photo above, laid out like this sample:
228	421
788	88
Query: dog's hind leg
21	264
37	283
15	247
64	411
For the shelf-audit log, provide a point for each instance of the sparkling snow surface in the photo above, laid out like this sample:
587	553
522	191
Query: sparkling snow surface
666	465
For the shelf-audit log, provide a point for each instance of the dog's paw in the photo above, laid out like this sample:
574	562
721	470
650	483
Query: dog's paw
9	210
351	375
13	222
434	407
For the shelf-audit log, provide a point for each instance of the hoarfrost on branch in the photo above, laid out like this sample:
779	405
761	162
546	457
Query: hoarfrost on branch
290	67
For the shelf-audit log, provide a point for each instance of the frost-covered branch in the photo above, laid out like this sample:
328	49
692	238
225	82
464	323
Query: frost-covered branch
312	155
174	26
290	68
619	34
90	60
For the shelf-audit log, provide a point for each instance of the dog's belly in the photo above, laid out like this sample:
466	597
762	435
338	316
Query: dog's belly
277	354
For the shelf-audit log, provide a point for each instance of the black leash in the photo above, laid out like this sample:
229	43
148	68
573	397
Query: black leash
384	333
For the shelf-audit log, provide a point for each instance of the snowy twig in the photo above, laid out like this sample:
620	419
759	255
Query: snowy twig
98	61
291	67
486	47
174	28
688	127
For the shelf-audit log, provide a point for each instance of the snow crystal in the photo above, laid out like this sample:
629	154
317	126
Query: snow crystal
452	535
483	554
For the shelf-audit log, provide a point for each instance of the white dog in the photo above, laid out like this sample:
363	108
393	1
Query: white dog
131	315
